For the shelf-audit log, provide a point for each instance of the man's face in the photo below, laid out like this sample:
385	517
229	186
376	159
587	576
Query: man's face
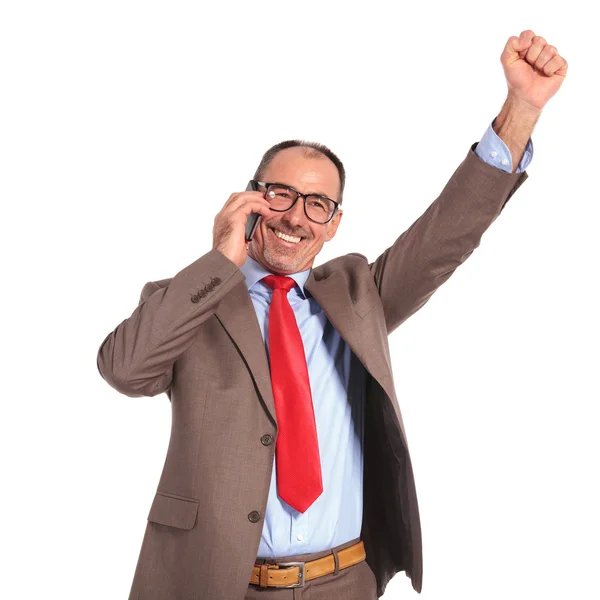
307	175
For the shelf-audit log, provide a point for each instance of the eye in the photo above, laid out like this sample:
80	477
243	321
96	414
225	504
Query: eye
279	191
317	203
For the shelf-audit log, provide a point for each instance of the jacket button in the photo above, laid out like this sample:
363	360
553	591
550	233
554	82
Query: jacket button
266	439
209	287
195	298
254	516
202	293
215	281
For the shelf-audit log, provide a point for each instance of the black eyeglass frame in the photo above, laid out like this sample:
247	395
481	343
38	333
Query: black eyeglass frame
300	195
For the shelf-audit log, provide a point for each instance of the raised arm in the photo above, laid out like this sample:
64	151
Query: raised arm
426	255
442	238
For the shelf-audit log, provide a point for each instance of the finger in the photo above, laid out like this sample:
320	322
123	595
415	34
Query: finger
243	198
517	47
237	199
556	66
224	207
228	202
546	55
539	43
235	195
260	206
242	207
526	39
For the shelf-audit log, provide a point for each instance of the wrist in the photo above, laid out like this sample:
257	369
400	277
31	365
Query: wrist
518	112
514	126
238	258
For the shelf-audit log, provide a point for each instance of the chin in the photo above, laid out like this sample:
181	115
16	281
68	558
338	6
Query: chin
282	264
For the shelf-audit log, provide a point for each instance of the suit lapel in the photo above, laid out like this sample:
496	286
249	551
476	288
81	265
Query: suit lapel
360	326
331	292
236	314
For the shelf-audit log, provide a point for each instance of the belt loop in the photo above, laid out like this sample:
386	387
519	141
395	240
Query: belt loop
263	578
336	560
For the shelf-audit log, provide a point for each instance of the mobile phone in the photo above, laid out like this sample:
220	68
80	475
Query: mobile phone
253	218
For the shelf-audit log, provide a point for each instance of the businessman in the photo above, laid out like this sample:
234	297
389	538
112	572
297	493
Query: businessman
288	473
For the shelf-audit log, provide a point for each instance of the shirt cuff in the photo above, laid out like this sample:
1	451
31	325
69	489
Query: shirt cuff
495	152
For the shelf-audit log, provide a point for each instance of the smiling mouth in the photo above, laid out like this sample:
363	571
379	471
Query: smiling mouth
290	239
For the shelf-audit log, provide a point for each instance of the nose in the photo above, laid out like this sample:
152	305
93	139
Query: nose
295	216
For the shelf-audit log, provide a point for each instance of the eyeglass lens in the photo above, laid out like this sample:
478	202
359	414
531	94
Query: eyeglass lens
318	209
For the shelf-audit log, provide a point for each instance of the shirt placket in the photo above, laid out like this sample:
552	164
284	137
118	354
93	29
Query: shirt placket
299	533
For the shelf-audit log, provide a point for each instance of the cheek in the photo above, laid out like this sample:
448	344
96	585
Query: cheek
265	224
262	229
317	242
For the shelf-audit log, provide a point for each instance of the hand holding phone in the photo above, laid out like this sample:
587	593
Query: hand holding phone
237	221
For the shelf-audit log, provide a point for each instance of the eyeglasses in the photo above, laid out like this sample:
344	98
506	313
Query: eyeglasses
319	209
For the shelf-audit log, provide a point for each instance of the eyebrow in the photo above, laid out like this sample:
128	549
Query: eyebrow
308	193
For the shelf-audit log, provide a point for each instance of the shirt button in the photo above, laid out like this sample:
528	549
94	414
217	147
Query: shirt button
504	161
300	537
254	516
494	154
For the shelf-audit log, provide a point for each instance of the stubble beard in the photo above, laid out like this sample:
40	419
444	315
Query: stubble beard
281	261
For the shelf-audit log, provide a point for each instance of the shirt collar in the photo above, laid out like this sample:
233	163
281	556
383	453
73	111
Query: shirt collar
253	271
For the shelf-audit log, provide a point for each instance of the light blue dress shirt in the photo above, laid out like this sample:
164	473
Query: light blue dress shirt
495	152
337	381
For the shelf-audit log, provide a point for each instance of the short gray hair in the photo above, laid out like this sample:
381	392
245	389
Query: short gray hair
313	150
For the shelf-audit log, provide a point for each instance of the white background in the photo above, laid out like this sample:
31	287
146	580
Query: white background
124	128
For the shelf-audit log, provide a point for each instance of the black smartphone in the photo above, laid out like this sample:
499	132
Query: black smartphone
253	218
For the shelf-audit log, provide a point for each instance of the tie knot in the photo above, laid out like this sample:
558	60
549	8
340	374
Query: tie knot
279	282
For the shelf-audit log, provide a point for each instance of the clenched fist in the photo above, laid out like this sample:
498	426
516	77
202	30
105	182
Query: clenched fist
534	70
229	230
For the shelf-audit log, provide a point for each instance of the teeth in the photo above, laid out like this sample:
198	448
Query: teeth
287	238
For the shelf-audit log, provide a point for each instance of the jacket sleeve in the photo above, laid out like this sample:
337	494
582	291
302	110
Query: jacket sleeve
442	238
137	357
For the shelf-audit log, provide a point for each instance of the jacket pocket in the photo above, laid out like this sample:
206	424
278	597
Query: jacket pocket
172	511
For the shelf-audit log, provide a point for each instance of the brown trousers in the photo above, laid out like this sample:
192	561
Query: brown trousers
354	583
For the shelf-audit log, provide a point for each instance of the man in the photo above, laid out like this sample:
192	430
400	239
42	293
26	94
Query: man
287	442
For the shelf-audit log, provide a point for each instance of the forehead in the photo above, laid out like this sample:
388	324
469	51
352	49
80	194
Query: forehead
292	167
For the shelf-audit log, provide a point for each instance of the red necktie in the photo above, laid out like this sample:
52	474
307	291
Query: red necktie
299	480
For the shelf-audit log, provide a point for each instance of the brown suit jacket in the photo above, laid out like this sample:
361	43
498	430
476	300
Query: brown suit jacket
196	337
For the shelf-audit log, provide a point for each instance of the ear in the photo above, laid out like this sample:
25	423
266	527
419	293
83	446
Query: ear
333	225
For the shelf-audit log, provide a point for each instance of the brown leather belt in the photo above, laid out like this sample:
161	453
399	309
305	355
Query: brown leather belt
294	574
